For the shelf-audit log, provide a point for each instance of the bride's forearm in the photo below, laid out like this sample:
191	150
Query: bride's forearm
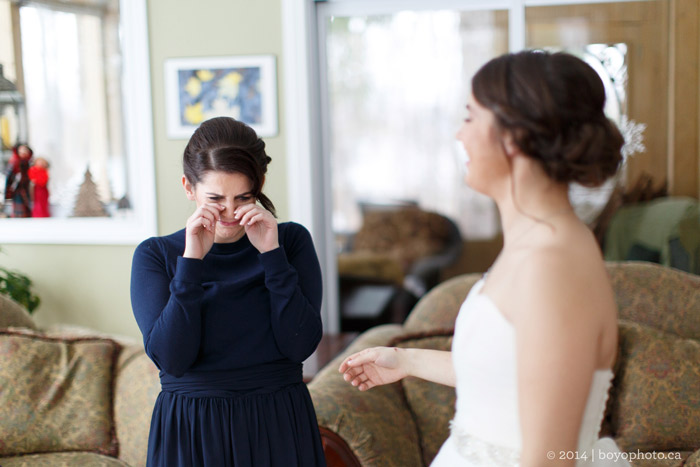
430	365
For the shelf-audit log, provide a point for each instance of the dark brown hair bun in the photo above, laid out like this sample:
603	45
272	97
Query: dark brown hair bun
552	104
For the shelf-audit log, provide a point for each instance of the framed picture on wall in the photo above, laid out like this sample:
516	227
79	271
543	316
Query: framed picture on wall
243	87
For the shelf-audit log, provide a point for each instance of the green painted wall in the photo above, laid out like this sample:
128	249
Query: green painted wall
89	285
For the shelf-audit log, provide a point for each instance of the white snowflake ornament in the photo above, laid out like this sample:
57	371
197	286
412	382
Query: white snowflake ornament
634	139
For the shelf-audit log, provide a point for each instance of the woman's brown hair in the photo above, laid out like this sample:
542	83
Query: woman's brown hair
552	105
223	144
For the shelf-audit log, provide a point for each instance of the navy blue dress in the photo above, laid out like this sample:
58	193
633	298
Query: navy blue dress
229	334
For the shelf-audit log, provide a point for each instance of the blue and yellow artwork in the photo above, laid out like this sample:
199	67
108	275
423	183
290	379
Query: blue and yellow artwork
234	92
242	87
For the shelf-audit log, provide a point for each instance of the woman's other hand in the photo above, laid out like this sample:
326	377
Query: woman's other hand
200	230
374	367
260	226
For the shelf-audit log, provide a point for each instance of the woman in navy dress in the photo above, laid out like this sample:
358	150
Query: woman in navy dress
229	307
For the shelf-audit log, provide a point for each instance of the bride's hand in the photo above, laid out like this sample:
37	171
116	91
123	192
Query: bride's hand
374	367
260	226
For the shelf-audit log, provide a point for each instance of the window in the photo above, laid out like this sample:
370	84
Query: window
75	114
79	62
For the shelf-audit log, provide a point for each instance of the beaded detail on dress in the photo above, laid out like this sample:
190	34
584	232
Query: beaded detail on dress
480	452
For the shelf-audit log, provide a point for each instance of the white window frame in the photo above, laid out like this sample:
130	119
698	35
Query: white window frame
138	130
309	190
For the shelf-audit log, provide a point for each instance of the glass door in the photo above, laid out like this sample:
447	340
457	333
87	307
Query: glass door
396	85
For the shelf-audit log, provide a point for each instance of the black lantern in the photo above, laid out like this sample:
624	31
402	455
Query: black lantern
13	118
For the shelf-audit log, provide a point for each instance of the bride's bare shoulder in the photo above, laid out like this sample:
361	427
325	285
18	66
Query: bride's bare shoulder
562	278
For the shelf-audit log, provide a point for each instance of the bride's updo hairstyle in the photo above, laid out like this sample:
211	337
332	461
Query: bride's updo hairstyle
223	144
552	104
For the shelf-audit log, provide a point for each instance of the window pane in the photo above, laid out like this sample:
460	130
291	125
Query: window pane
397	88
72	65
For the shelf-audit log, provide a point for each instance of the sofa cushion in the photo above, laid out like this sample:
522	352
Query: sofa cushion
136	388
12	314
656	402
60	459
432	404
56	394
657	296
658	459
693	460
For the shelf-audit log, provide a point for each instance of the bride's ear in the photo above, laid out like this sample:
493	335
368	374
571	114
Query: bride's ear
511	149
189	188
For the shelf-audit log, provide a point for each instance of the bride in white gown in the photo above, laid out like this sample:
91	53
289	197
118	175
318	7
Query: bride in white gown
536	339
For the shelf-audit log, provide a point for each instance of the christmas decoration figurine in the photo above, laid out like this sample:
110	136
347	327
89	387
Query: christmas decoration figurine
17	181
39	176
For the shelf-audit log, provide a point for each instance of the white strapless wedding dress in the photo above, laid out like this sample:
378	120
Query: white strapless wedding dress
486	428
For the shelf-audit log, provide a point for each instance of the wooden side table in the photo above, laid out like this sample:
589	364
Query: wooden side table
329	347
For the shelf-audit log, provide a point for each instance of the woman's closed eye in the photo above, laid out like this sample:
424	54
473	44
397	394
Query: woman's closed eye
242	198
467	115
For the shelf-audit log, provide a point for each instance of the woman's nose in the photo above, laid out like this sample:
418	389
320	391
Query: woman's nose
229	207
458	135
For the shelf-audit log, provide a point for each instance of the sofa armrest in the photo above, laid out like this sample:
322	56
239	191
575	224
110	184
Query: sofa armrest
376	425
135	390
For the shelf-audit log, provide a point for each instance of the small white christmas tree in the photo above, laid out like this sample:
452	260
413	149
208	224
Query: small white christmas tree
87	203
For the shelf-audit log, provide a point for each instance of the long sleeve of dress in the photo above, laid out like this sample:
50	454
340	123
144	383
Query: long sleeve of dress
293	277
167	311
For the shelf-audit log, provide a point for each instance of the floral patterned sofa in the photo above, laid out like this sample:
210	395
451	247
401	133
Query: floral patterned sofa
654	407
70	397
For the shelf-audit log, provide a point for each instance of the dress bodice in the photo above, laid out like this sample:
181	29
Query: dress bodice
486	427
